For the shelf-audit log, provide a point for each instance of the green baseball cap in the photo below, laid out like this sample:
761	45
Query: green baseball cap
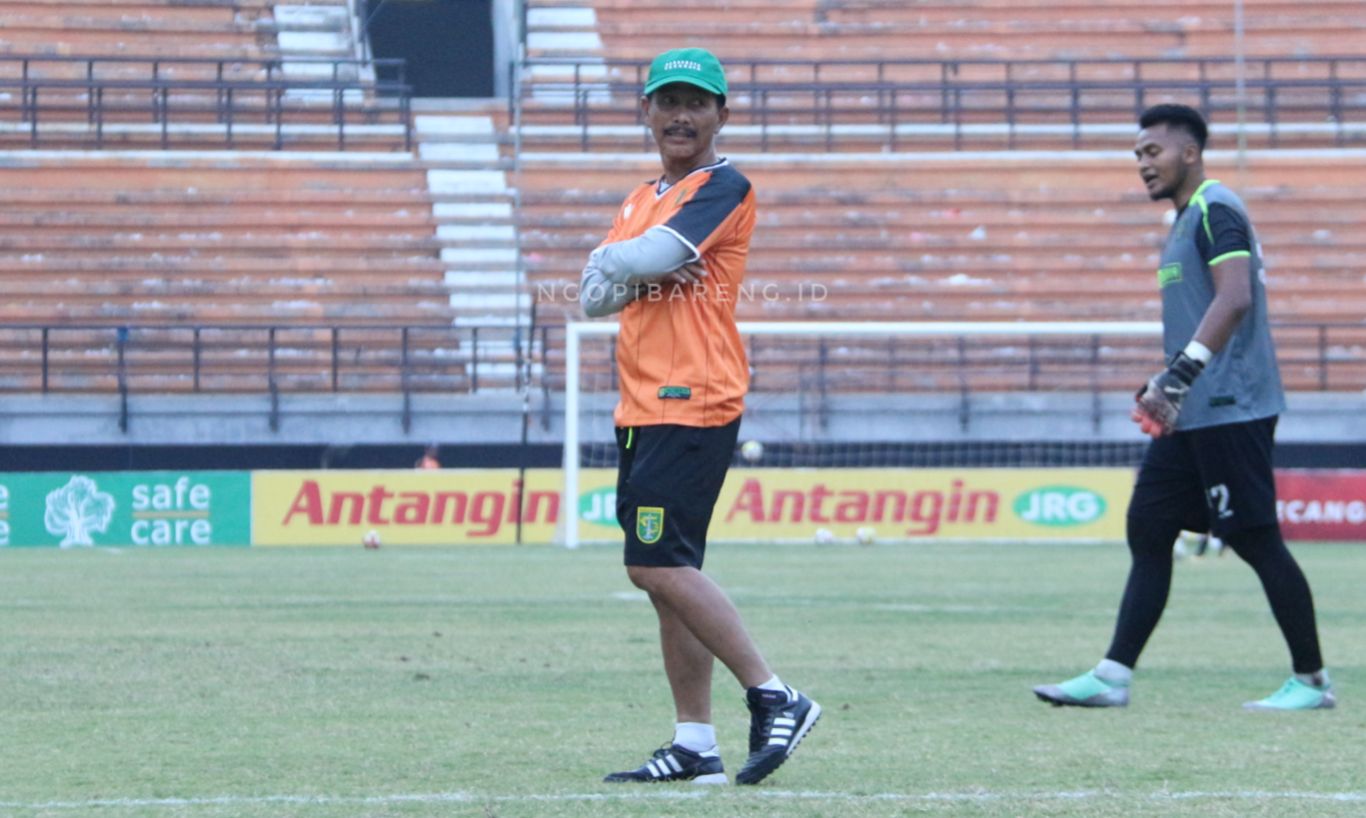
695	66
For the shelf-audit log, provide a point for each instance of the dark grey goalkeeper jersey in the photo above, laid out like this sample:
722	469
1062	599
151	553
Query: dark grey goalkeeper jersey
1242	382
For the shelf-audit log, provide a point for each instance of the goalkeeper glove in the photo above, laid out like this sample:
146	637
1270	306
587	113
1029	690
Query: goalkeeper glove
1159	401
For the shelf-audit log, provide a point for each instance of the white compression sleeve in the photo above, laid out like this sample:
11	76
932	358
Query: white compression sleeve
600	297
649	256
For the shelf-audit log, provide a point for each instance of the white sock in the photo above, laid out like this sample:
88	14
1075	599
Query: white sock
1113	672
776	684
695	736
1318	678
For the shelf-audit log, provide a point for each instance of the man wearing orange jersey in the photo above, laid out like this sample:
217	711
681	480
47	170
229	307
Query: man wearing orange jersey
672	267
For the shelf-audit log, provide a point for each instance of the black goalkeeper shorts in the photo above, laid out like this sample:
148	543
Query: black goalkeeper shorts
1219	478
668	479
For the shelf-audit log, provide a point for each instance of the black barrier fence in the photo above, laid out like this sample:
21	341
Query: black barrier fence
961	101
401	359
164	103
272	360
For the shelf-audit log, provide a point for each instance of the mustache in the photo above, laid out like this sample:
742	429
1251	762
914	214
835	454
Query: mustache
680	130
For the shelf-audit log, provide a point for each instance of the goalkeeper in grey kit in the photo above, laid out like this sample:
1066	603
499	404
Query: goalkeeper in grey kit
1212	415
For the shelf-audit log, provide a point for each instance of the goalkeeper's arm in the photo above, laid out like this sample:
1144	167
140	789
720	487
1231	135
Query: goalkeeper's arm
1160	399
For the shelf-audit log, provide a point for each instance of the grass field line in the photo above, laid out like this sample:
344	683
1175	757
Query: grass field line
684	794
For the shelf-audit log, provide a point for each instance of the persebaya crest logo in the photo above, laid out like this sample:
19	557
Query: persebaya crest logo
78	509
649	524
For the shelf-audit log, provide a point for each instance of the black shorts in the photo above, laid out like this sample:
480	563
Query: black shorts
668	479
1219	478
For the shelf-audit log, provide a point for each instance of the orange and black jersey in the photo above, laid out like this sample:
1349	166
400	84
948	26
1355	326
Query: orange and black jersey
679	355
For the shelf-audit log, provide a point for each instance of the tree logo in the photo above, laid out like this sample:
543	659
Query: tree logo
76	510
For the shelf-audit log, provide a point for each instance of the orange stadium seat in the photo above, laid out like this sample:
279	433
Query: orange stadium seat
212	239
219	263
145	28
975	238
872	29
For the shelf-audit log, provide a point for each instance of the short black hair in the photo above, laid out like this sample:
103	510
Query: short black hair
1183	117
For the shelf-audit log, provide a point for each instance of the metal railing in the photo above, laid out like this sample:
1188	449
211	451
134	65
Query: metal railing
179	97
765	71
53	358
274	360
200	68
817	376
1280	95
304	359
1313	357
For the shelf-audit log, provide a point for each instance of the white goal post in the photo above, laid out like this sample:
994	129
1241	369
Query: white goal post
876	360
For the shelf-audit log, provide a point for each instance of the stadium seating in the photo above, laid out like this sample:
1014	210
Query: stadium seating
866	195
998	29
991	75
216	250
974	238
241	29
209	237
216	238
882	214
987	240
204	75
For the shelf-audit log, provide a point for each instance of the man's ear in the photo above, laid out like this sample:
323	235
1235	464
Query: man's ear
1190	154
722	116
644	105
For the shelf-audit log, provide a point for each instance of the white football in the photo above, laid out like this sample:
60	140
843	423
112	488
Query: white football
371	539
1187	544
751	450
866	535
824	536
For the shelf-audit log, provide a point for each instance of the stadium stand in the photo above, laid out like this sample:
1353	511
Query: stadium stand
937	75
863	188
292	186
999	29
144	108
130	238
976	237
241	29
988	180
273	252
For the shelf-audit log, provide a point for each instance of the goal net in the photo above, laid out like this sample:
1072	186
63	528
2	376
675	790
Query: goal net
885	395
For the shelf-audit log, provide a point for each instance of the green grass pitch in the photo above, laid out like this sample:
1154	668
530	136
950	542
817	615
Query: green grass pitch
506	682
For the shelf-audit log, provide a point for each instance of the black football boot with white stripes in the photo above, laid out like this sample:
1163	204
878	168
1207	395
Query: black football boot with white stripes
777	724
675	763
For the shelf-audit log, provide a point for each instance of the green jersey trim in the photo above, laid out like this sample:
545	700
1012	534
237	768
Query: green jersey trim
1198	199
1229	255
